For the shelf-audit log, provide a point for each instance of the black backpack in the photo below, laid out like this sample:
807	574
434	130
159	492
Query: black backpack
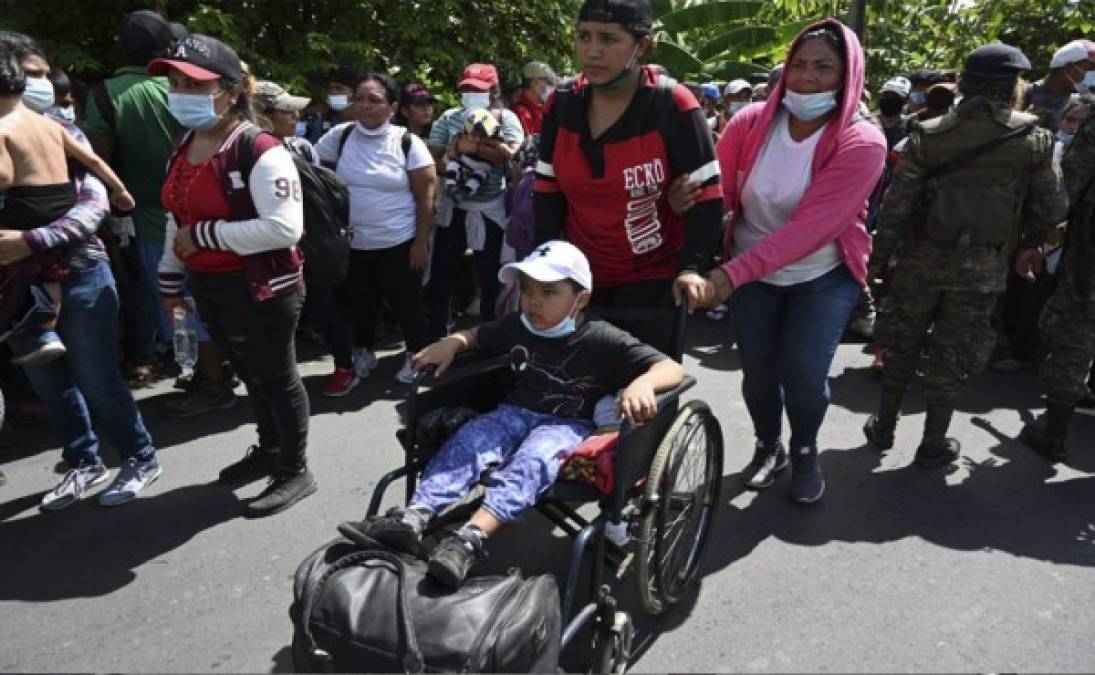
327	231
373	610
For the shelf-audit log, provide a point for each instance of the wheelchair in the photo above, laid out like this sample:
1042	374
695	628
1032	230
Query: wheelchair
665	490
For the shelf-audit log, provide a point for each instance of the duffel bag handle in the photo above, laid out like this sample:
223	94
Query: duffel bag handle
412	660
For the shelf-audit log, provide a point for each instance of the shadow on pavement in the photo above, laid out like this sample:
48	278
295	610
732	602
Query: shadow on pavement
77	553
1010	502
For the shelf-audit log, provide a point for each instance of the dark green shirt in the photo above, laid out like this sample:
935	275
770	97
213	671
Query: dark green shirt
144	132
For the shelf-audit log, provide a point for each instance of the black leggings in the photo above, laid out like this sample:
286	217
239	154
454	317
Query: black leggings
384	275
258	338
449	245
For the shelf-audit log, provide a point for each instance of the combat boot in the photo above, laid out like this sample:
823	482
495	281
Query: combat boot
1049	440
879	428
936	449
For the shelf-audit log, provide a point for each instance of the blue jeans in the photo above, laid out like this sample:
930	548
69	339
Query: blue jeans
787	336
526	448
87	382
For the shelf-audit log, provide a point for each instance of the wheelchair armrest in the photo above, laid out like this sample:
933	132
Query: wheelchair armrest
668	397
464	361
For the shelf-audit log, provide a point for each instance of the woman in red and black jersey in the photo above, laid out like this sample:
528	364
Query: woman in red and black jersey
611	143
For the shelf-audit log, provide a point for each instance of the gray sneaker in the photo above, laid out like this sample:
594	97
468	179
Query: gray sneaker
74	486
132	479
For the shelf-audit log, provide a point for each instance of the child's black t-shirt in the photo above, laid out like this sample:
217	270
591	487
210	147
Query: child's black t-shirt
566	377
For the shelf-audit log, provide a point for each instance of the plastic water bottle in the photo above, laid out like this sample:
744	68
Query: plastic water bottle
186	335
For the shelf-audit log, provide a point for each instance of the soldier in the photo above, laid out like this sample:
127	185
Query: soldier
970	186
1068	320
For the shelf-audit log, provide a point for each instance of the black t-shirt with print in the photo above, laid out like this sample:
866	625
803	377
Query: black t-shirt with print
566	377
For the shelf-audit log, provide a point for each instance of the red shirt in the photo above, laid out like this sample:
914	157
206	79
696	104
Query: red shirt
531	113
616	210
194	193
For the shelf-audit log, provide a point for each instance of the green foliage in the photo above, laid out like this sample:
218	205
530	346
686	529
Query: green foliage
296	41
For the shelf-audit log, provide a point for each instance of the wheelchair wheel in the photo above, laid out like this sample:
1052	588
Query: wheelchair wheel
681	494
612	655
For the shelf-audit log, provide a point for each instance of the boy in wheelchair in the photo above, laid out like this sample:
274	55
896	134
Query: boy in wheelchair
563	364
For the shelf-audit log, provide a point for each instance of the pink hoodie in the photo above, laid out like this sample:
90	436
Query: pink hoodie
847	164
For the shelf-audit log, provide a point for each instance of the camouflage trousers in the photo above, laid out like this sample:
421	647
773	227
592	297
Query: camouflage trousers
953	327
1067	327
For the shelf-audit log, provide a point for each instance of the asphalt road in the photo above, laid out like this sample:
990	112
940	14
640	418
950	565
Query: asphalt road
987	567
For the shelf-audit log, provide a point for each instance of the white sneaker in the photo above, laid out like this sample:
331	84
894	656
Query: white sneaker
132	479
405	374
364	362
74	486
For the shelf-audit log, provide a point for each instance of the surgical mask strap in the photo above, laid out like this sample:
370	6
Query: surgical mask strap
620	79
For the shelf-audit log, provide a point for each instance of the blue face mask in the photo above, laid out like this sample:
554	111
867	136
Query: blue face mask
38	96
560	330
1065	138
194	111
808	107
918	98
302	129
65	114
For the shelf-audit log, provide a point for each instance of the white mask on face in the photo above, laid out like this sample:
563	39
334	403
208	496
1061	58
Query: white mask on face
808	107
475	100
38	95
66	114
1087	84
338	102
381	130
735	106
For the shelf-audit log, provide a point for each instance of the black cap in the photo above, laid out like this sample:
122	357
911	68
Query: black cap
178	31
201	58
996	60
634	15
415	92
145	35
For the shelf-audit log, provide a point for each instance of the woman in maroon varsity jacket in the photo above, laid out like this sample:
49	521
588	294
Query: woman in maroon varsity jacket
236	214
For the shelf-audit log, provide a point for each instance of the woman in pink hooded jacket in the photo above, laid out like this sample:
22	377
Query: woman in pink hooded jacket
797	172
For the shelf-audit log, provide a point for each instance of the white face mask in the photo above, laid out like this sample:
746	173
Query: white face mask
338	102
548	91
808	107
38	96
475	100
376	131
66	114
735	106
1087	84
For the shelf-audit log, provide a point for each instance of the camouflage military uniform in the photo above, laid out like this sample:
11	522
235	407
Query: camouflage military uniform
1068	321
947	280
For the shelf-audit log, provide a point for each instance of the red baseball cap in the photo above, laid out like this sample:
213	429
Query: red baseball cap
480	76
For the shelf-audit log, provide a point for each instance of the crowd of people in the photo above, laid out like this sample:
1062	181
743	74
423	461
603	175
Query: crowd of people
948	212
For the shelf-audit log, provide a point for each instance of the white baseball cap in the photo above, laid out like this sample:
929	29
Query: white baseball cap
554	261
736	87
898	85
1073	52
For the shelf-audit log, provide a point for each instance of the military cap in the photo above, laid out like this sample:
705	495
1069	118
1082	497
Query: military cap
996	60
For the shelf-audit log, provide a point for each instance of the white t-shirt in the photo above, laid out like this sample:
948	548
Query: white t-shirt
382	207
771	194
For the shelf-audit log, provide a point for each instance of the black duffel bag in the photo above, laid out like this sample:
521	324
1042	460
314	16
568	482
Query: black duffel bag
374	610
